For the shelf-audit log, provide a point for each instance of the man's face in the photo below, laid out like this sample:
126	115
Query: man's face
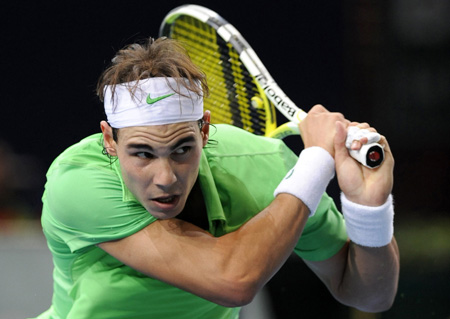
160	164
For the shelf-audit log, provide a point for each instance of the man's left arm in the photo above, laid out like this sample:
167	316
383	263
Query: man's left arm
364	273
361	277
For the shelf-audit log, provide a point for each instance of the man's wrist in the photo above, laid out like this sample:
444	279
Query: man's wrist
309	178
367	225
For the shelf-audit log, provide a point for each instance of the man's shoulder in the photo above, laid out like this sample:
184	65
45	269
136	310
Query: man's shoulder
86	152
232	145
227	129
225	135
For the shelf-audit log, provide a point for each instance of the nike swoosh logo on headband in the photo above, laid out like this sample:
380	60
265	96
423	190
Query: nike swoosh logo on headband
156	99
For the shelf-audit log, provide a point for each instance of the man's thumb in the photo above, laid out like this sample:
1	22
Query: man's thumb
340	137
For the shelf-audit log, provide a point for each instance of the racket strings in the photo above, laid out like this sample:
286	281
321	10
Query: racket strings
242	89
231	85
245	89
201	43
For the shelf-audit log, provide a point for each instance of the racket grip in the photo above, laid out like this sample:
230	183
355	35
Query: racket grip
370	155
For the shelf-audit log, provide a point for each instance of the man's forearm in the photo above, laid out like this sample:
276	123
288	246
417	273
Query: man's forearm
372	267
264	243
371	276
361	277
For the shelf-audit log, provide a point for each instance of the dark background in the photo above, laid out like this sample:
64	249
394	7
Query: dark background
384	62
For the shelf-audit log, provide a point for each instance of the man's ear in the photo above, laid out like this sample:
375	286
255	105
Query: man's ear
108	140
205	128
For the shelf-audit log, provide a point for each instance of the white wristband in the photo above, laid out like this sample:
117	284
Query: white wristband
369	226
309	178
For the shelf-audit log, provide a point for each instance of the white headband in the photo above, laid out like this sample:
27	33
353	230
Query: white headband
154	103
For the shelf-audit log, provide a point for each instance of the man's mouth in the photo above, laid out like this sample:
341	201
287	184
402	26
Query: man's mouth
165	200
165	206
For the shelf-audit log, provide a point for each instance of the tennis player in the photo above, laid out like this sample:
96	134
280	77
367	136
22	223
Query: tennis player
162	215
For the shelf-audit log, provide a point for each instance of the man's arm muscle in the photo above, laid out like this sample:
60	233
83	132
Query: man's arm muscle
361	277
228	270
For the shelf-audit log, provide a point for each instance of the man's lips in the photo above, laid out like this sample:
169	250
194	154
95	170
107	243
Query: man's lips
165	199
166	202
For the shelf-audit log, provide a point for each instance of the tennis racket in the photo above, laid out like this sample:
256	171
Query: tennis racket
242	92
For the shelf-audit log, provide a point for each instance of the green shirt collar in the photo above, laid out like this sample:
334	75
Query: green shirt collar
214	209
127	195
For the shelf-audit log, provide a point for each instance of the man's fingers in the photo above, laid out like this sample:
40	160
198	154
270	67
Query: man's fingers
360	136
318	108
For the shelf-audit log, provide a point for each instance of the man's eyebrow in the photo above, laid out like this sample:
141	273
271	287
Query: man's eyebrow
147	147
188	139
140	146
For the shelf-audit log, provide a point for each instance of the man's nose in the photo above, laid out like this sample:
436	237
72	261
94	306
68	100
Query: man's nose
164	173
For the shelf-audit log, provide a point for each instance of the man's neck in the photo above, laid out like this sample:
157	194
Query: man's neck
194	211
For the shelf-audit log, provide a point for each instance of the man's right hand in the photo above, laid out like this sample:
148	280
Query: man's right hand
319	128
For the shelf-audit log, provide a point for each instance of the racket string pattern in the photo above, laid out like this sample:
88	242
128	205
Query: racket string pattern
233	91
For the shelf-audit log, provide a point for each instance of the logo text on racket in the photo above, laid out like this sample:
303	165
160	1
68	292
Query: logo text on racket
273	94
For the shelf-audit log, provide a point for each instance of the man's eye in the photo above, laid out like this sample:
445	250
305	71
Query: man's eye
143	155
182	150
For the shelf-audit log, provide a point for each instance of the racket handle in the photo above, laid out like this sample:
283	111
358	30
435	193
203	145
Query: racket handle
370	155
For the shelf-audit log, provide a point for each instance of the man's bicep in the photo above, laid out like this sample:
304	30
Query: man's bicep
146	250
167	250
